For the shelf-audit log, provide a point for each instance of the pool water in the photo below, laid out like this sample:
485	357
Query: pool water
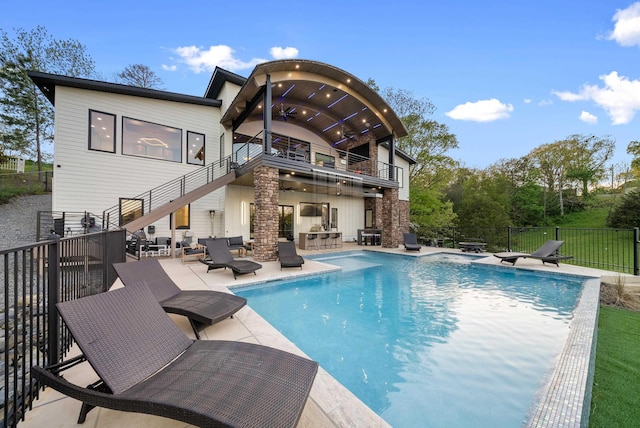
431	341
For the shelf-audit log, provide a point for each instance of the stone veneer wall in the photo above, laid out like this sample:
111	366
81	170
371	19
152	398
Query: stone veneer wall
403	210
390	230
265	229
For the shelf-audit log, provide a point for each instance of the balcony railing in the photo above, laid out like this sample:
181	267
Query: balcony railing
293	149
35	278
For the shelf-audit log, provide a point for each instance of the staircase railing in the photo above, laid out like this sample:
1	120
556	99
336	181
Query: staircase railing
167	192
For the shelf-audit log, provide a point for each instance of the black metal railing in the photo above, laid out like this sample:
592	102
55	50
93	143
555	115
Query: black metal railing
167	192
66	223
608	249
291	148
35	278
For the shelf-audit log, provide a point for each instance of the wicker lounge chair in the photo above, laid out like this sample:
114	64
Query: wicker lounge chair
411	242
548	253
202	307
147	365
221	257
288	255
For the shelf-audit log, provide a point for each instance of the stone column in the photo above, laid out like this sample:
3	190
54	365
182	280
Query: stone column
265	228
390	220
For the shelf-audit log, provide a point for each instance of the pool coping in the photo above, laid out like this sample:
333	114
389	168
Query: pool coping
565	399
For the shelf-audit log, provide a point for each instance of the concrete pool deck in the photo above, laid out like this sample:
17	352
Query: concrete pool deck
559	403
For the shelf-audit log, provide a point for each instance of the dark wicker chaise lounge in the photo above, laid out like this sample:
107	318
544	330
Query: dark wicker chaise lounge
147	365
411	242
548	253
202	307
288	255
221	257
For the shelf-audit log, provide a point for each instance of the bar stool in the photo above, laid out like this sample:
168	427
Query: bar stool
325	238
336	239
312	241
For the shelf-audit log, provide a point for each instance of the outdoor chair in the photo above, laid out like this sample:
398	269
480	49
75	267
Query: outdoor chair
220	257
145	364
237	243
411	242
288	255
548	253
202	307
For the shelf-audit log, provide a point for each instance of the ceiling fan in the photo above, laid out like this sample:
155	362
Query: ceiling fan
286	112
346	134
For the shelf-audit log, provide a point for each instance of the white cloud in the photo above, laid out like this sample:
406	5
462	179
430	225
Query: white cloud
278	52
481	111
169	67
619	97
527	100
587	117
626	30
545	103
199	59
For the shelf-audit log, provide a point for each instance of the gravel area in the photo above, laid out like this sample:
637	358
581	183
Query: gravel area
19	219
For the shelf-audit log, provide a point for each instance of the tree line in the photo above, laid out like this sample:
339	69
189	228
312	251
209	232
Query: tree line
553	179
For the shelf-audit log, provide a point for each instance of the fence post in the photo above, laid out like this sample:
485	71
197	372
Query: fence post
508	238
636	240
557	233
53	275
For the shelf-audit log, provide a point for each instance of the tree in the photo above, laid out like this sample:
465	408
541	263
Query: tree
141	76
633	149
589	157
554	161
627	213
428	141
26	114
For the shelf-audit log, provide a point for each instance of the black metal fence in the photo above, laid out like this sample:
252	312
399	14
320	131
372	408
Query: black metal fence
608	249
36	277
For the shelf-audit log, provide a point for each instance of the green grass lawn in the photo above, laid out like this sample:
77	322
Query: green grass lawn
616	383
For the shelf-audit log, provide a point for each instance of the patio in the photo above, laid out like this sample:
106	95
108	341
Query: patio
329	404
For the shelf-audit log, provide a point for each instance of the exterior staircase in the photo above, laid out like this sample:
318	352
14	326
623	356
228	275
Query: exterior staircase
173	195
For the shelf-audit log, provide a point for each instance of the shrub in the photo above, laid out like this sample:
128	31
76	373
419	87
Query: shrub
626	214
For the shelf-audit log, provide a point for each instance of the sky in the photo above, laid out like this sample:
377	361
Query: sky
505	76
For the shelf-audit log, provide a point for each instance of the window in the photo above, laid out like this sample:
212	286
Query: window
325	160
130	209
150	140
195	148
102	131
334	218
221	146
183	218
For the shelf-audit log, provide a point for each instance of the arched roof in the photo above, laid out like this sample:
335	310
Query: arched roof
319	97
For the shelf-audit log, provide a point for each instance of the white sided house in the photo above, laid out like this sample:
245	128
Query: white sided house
322	158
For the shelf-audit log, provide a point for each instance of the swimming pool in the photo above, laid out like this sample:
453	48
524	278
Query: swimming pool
432	341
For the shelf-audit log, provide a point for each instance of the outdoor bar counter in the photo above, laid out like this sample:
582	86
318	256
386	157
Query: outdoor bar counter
304	243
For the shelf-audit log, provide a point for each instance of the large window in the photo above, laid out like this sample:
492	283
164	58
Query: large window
183	218
195	148
146	139
130	209
102	131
